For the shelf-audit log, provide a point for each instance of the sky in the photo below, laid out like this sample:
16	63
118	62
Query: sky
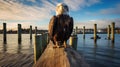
39	12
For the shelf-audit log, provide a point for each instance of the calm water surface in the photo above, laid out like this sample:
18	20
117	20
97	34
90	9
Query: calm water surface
12	45
100	54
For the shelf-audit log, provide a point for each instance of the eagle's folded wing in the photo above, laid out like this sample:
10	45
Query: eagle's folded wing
52	26
71	25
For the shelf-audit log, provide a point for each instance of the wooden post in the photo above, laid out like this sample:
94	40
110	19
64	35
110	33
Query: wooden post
60	57
95	32
35	30
44	40
37	47
48	38
30	32
83	32
73	41
76	30
108	32
112	31
19	33
4	33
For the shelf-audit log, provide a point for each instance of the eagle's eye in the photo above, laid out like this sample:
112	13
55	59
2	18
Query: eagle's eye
66	7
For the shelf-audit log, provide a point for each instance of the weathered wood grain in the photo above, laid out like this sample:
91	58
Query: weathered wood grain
60	57
16	60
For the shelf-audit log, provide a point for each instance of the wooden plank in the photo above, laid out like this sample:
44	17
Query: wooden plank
16	60
60	57
45	57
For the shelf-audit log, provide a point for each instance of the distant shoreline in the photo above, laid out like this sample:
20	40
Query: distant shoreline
77	33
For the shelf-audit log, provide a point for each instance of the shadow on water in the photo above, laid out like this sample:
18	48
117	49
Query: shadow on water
83	37
30	44
95	43
95	54
4	48
84	42
112	45
30	47
19	48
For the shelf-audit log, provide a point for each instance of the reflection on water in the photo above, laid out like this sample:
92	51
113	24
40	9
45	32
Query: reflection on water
95	43
101	53
4	48
19	48
112	45
12	46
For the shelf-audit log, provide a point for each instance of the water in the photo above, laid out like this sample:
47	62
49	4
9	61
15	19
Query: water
100	54
12	45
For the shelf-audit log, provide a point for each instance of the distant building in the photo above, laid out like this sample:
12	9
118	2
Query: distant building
117	30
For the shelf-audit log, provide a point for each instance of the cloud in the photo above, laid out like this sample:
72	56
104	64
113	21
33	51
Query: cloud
114	10
103	23
32	1
27	12
79	4
16	11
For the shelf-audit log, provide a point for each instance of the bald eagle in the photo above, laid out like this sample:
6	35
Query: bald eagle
60	26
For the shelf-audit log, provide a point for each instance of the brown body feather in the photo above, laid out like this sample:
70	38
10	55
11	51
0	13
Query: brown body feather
60	28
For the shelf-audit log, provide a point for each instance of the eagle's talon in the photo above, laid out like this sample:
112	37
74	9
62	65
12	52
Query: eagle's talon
56	46
65	44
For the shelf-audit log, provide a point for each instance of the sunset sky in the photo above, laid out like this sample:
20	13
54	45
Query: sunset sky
38	12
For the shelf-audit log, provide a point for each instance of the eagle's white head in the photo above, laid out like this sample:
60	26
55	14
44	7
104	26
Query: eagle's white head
62	9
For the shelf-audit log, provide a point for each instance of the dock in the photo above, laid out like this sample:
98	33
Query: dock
48	56
16	60
60	57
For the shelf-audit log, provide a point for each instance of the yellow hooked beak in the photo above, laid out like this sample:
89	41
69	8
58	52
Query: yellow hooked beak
61	9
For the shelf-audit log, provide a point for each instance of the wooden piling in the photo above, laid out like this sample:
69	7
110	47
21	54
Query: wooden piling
48	40
35	30
108	31
73	41
76	30
112	32
30	32
95	32
83	32
19	33
4	33
44	41
60	57
37	47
